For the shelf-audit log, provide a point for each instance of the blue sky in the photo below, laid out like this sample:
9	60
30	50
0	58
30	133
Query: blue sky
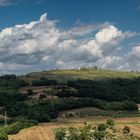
109	28
124	13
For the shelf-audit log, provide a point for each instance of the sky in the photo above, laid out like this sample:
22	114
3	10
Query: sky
38	35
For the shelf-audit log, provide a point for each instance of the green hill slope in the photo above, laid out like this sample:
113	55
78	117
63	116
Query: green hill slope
64	75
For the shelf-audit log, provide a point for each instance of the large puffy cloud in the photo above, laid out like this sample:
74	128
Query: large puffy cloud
132	59
41	45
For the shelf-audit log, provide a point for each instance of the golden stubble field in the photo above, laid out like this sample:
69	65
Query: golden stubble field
45	131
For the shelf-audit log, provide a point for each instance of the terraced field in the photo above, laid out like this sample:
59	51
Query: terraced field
45	131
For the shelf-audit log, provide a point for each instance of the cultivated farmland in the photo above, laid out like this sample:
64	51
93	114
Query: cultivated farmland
45	131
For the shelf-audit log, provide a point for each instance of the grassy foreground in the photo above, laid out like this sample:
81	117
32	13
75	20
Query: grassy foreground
45	131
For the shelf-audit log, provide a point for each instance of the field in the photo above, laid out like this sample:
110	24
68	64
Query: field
44	131
93	111
65	75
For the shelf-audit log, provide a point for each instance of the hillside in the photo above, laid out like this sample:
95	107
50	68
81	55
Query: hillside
44	131
41	97
93	74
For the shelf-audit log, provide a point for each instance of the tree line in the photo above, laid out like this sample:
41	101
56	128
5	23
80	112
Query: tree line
118	89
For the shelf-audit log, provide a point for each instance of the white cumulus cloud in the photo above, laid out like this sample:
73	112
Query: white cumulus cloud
41	45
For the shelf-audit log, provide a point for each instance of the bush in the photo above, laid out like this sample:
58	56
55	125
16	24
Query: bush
14	128
85	132
99	135
110	123
102	127
126	130
26	123
60	133
21	123
3	134
73	134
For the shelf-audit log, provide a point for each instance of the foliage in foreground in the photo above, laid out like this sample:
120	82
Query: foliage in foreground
15	127
106	131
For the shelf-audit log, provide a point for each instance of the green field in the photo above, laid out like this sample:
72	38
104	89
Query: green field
65	75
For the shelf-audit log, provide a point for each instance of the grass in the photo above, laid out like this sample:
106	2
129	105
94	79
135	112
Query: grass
65	75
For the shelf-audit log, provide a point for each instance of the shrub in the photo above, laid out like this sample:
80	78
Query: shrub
3	136
73	134
26	123
14	128
110	123
99	135
85	132
126	130
102	127
60	133
20	124
114	130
